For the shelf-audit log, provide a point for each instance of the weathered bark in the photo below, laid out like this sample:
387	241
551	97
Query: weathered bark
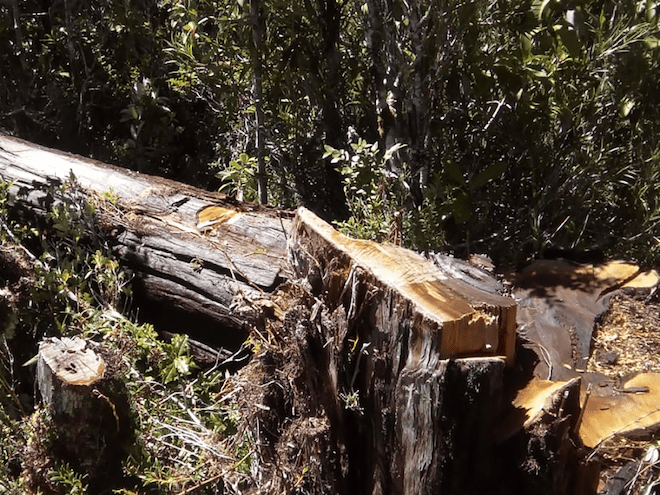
560	304
193	253
545	445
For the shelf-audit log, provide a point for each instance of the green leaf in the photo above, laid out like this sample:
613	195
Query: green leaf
538	74
31	361
169	374
651	8
330	151
455	172
492	172
627	104
538	8
393	149
569	39
652	42
526	47
182	365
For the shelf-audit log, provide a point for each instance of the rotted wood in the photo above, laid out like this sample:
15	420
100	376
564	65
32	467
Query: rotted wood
192	251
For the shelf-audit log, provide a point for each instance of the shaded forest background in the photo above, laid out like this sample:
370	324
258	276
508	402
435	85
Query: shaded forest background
503	127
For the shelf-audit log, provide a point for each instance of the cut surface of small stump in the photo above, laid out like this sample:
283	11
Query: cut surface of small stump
66	369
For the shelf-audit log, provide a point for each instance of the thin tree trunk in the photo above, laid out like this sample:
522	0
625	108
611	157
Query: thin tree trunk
374	41
19	33
401	94
329	18
333	126
420	119
257	34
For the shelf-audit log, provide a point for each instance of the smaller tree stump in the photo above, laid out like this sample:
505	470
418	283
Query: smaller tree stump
89	408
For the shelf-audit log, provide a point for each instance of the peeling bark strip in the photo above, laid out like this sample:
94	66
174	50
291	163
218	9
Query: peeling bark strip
192	251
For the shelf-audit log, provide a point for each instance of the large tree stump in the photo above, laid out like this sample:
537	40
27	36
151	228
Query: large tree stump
411	300
386	375
426	356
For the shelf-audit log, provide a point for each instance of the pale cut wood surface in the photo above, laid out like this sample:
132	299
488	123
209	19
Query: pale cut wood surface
633	411
71	361
532	403
467	321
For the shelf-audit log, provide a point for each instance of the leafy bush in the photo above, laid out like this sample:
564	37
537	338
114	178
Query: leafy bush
527	123
374	194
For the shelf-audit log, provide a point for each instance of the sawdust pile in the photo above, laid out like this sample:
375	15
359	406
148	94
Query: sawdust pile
627	342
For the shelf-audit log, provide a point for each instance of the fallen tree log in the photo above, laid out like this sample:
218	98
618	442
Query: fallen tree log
195	255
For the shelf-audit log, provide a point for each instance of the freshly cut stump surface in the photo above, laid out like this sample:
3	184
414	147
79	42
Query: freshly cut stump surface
66	369
459	319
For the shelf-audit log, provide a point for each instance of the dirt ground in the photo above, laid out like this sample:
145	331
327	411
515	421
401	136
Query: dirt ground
626	341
